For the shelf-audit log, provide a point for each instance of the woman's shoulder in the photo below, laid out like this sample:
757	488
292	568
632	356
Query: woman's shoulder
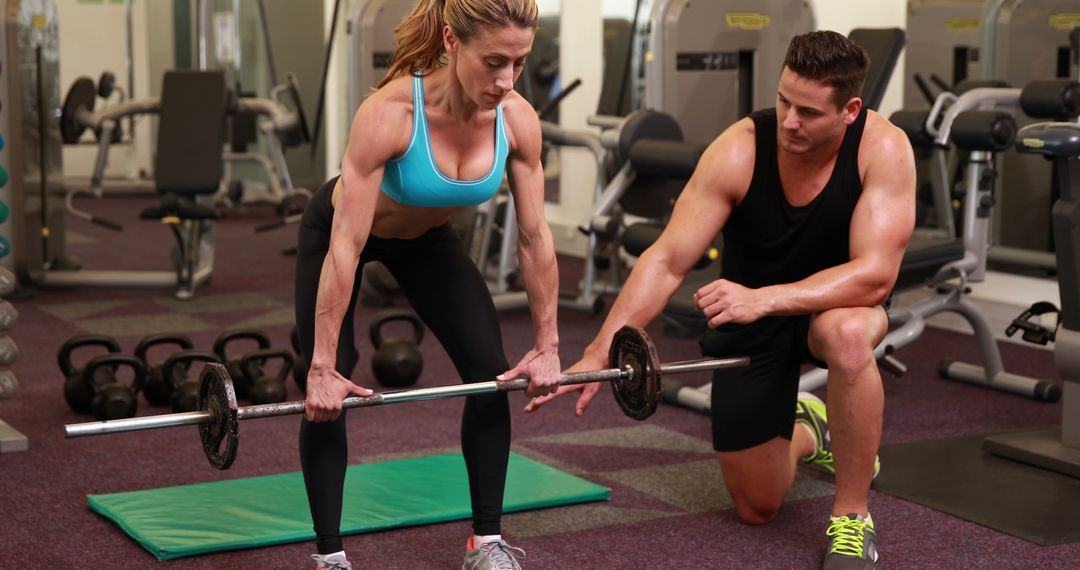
390	103
398	90
520	117
384	119
515	106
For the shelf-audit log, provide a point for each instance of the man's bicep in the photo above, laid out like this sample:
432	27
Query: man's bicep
885	215
700	213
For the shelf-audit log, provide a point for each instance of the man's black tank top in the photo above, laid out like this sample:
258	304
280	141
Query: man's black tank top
767	241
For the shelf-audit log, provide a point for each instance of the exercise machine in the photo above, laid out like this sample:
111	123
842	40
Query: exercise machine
191	112
708	64
1025	41
1056	448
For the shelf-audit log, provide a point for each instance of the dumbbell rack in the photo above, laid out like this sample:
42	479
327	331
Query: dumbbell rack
10	439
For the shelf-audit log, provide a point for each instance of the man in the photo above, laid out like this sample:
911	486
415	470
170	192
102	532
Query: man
816	203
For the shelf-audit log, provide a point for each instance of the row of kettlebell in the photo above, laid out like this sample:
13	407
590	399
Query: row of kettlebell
95	388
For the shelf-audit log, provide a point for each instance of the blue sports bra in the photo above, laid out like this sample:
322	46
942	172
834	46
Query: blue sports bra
415	180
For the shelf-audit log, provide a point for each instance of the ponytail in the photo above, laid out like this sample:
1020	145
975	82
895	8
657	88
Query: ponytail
419	41
419	37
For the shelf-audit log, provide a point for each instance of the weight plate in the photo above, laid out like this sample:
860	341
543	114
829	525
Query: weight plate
221	433
639	394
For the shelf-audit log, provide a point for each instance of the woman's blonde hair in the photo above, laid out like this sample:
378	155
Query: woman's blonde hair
419	40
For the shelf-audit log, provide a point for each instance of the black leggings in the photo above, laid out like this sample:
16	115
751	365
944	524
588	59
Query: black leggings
447	291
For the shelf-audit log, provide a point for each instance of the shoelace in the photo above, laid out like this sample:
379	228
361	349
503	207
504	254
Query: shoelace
330	565
501	556
847	536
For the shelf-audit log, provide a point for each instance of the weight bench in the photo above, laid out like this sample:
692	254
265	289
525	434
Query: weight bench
187	165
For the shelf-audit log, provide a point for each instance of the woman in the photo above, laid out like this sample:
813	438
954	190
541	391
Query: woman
437	134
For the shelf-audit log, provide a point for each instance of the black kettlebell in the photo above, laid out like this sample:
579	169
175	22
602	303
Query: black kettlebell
300	365
397	362
157	390
241	378
114	400
76	393
268	389
175	369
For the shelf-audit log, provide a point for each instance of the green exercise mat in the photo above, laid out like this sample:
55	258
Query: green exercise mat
174	522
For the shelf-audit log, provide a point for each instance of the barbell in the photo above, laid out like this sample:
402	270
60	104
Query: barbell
634	374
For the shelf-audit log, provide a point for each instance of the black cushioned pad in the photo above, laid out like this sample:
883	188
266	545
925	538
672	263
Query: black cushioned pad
955	476
883	45
656	157
913	123
191	132
923	258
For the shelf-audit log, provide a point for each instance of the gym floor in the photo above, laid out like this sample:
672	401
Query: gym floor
667	508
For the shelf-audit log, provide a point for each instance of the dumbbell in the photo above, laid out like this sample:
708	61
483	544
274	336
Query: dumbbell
240	377
112	399
8	316
8	384
157	390
185	388
76	391
266	388
9	351
7	281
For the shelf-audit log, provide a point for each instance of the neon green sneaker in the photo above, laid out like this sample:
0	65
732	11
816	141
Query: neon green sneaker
852	543
810	410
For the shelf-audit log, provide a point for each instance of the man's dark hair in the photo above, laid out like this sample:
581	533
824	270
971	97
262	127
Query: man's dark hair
829	59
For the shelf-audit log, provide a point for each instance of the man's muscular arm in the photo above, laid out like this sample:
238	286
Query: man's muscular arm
881	227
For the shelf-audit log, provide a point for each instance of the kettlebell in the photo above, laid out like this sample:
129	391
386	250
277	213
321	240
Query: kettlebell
268	389
156	389
114	400
76	392
185	387
241	378
300	365
397	361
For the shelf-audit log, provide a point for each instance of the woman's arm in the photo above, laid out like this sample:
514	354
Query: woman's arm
375	137
536	249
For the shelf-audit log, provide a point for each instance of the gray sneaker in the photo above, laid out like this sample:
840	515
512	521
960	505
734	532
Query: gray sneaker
335	561
495	555
852	544
810	410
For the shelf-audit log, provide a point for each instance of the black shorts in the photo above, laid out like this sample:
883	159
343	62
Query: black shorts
754	404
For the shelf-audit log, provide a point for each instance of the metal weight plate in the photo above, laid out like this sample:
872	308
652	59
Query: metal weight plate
82	95
221	433
638	395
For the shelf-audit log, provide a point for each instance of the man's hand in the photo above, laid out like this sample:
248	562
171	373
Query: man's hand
587	390
325	391
725	302
542	370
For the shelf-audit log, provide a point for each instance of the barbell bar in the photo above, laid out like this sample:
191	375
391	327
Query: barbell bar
634	375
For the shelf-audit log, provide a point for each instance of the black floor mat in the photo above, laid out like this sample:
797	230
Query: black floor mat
955	476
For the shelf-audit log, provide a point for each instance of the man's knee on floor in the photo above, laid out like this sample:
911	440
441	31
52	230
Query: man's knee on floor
755	510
